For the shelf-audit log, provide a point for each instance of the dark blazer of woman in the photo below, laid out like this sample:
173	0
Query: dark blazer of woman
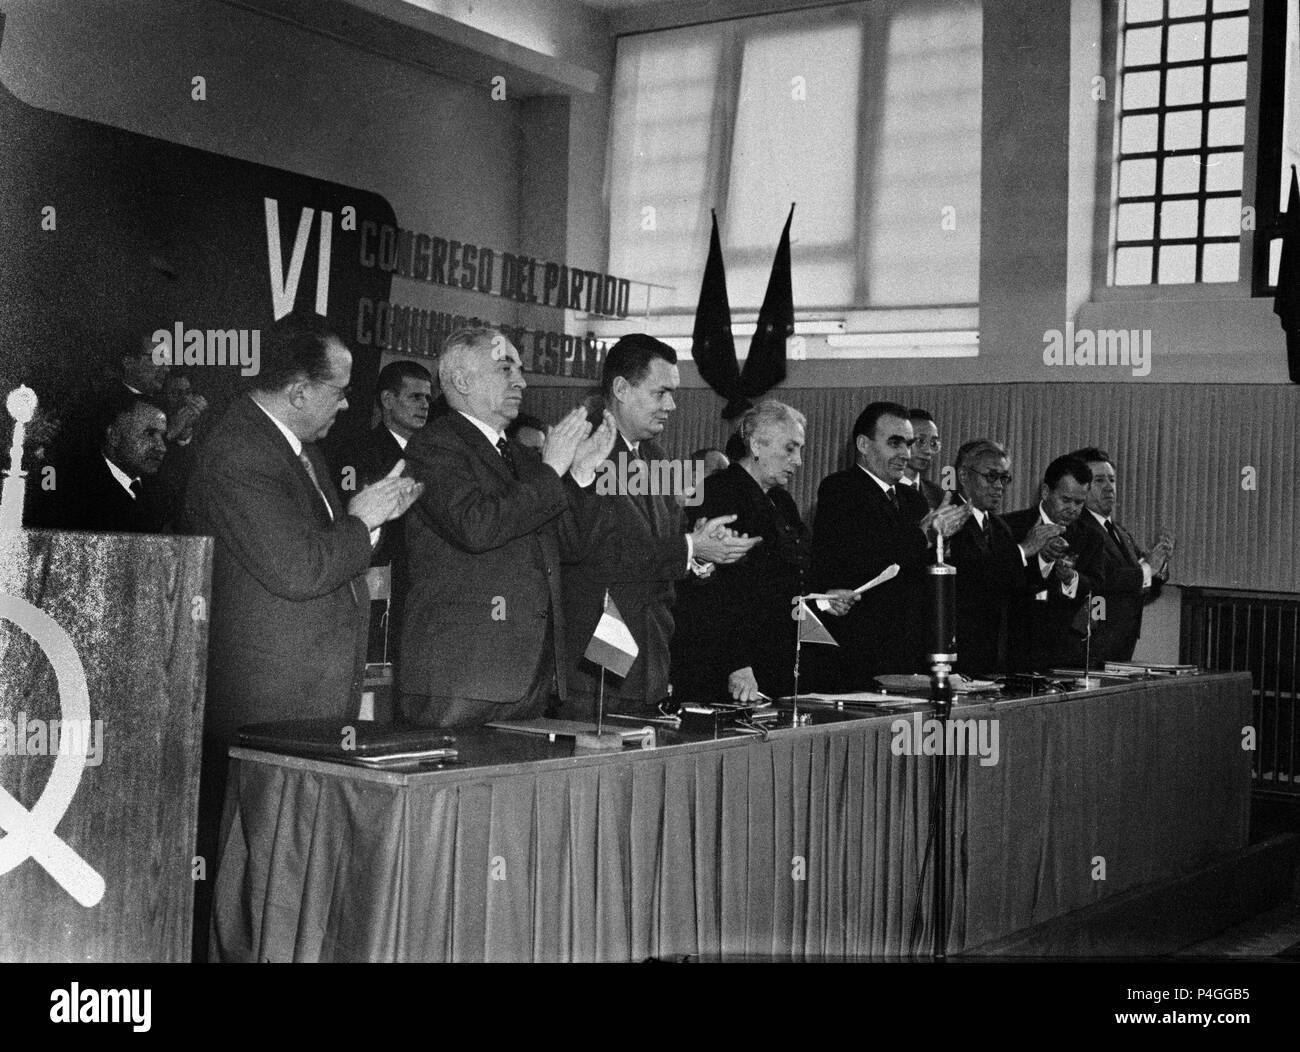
741	615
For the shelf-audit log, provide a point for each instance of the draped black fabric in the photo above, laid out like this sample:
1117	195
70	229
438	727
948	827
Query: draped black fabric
1286	300
807	845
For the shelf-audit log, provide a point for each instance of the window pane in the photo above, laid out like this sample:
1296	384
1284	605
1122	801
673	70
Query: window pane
1223	171
1136	222
773	124
1141	90
1231	5
1184	86
1137	178
1186	42
1228	82
660	129
1223	217
1229	37
1133	266
1183	130
1178	219
1182	175
1138	134
1177	264
1182	8
1142	46
1227	126
1142	11
927	144
1220	262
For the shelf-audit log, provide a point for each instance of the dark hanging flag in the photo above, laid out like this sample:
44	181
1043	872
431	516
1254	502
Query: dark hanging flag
1286	302
712	345
765	366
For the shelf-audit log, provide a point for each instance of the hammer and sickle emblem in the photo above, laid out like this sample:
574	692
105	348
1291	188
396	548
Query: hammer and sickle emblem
30	834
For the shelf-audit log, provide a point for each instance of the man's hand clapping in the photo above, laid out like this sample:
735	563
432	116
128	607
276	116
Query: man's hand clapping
946	519
384	500
712	542
594	450
563	440
1045	538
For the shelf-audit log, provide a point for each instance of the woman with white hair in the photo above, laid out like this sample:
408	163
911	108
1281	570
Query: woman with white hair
735	633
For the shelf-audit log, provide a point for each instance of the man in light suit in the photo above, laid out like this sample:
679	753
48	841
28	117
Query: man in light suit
1127	577
867	520
483	623
636	548
288	594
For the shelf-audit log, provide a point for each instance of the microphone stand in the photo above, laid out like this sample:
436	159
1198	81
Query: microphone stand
942	655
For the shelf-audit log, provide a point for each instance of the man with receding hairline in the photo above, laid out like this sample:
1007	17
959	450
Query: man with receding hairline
484	628
866	521
288	599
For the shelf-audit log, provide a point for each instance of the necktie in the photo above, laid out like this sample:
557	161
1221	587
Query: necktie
1114	536
311	474
137	490
986	530
508	456
893	498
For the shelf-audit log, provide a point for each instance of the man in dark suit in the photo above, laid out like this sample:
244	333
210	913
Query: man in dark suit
1127	576
993	571
403	392
484	631
866	521
637	548
112	488
287	606
1048	627
917	472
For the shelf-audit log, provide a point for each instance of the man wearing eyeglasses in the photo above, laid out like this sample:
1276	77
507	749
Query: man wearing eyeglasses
288	606
917	472
1046	628
1127	576
993	571
867	520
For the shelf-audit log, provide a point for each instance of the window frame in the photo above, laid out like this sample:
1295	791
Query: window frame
1106	211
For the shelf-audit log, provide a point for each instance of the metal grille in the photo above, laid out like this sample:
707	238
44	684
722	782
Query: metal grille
1257	632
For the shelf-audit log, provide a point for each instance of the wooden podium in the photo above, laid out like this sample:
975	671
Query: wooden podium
131	611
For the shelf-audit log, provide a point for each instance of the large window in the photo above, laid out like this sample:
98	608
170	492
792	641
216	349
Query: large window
865	115
1181	131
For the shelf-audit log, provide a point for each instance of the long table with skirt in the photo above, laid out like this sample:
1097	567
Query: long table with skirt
811	844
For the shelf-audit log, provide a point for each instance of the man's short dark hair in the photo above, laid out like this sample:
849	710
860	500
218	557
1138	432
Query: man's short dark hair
1069	464
920	414
392	375
979	447
293	349
868	418
735	447
1093	455
524	420
630	358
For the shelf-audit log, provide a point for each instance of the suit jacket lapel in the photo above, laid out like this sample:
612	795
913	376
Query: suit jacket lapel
478	442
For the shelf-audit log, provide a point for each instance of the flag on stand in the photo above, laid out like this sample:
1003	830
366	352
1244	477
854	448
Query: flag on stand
1286	301
811	630
612	646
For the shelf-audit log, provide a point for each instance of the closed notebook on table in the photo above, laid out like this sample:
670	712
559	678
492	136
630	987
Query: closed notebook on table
349	741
